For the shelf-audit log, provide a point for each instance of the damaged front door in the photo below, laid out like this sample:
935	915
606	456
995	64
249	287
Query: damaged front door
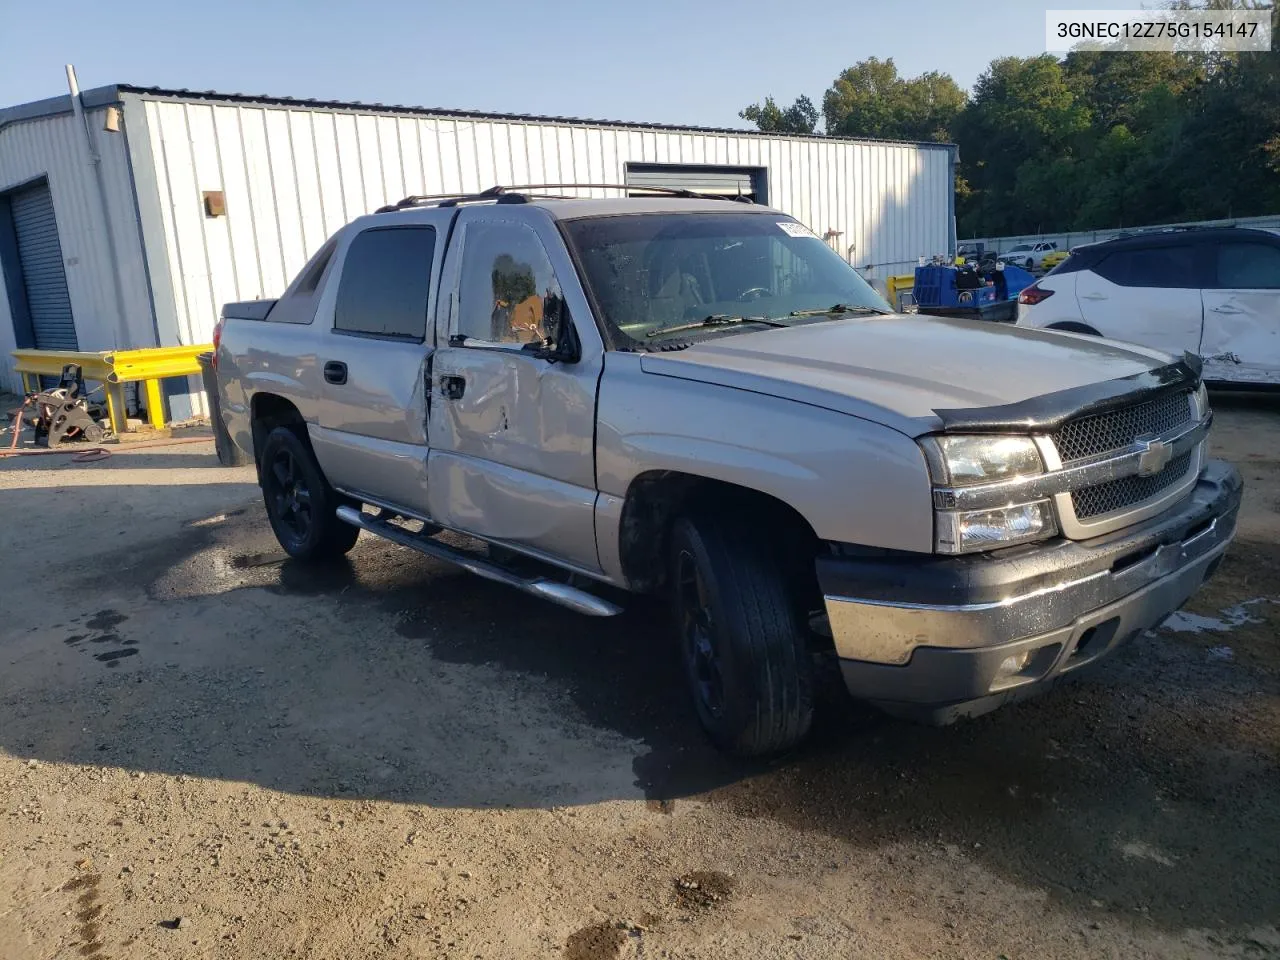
1241	342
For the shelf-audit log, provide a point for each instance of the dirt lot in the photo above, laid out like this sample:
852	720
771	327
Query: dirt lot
206	751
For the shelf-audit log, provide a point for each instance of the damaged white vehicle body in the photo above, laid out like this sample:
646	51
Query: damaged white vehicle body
1212	292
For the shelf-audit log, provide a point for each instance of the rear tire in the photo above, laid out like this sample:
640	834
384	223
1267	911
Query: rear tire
744	650
300	503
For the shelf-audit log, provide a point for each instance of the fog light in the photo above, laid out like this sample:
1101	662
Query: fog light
1013	665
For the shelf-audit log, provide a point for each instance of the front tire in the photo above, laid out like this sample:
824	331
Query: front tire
745	654
301	505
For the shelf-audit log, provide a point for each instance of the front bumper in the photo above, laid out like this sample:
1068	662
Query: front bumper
938	638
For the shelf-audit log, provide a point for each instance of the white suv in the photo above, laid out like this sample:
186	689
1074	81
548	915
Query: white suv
1212	292
1029	255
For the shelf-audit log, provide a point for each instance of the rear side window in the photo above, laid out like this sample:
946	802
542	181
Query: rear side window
385	279
1249	266
312	273
1170	267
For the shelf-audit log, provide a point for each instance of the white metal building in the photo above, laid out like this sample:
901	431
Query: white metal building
129	222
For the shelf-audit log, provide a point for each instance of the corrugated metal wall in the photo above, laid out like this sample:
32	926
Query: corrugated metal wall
54	147
1066	241
39	257
292	176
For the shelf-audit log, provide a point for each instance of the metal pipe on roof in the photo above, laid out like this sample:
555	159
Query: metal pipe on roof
95	161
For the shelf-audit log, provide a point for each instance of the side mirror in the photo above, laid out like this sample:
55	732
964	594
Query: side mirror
561	344
563	350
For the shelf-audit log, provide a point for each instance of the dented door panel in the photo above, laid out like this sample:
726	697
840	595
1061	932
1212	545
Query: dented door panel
513	436
1241	341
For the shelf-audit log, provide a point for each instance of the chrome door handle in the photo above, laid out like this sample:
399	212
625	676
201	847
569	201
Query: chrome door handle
1094	296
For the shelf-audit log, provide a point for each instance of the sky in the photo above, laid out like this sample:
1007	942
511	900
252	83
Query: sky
695	63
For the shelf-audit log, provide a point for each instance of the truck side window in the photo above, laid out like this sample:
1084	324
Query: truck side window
385	279
313	271
508	292
1248	266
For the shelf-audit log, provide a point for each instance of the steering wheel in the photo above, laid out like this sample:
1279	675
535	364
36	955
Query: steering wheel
755	293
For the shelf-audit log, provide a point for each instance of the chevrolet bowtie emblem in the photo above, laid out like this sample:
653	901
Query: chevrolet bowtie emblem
1153	456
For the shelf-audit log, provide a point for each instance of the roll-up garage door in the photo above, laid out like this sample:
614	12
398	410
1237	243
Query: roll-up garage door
721	181
40	256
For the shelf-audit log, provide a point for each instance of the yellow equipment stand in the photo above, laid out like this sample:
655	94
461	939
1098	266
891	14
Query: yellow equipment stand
115	368
896	285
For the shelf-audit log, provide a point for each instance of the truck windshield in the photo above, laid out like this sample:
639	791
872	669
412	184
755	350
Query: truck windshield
654	271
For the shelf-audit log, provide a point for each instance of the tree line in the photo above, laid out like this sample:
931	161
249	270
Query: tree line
1095	140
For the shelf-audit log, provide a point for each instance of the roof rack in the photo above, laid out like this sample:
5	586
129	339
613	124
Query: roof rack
1155	231
526	192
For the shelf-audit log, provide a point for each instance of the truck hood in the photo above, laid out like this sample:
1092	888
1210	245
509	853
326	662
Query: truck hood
915	372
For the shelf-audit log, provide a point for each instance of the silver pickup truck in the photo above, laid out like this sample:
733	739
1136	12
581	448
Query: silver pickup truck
700	399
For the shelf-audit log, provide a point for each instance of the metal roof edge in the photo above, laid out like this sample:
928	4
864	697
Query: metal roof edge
56	106
400	109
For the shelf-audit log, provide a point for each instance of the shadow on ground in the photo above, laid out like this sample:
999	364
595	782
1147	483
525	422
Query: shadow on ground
394	677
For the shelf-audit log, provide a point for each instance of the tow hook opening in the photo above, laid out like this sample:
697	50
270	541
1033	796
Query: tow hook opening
1025	666
1131	559
1095	640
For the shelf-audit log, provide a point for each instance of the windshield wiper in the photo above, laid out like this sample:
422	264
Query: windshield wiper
716	320
837	308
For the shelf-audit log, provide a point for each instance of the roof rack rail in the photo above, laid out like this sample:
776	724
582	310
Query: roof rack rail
525	192
1179	228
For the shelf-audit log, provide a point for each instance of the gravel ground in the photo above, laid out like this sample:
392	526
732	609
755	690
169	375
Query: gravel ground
206	751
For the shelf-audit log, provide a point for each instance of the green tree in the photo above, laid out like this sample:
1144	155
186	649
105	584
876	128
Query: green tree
800	117
1023	111
870	99
1099	139
1114	87
1226	160
860	102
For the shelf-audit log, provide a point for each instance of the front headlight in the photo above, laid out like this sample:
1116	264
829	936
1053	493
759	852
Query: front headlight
963	531
960	461
965	461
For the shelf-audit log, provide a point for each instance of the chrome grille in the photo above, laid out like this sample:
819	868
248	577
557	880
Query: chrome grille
1124	492
1103	432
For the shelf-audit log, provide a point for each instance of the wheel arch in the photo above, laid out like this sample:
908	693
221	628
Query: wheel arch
656	498
268	411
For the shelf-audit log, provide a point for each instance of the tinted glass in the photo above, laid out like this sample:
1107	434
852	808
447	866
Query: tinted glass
1249	266
385	279
314	270
1170	267
657	270
1073	263
509	291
